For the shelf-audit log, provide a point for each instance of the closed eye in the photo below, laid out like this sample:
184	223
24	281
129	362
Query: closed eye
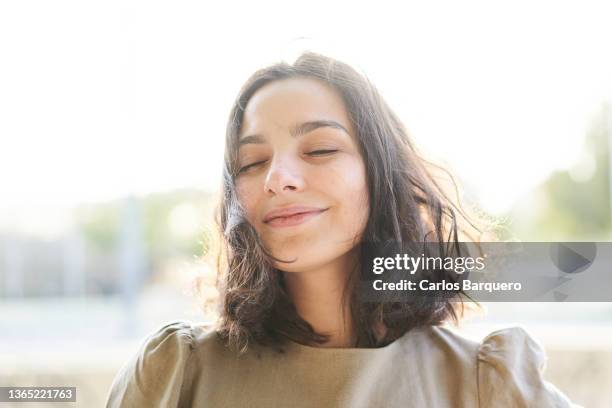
313	153
248	166
321	152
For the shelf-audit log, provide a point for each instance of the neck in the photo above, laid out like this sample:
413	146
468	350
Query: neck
317	295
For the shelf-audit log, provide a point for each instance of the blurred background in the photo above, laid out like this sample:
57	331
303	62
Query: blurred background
112	120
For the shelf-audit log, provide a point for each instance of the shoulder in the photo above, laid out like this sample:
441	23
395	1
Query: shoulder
160	372
510	369
506	366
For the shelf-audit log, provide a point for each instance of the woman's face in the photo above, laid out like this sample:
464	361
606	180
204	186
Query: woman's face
298	153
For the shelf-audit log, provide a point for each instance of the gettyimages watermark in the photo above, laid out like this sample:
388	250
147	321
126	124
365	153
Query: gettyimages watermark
487	271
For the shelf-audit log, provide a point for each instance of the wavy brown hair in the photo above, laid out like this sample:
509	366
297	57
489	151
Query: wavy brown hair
255	306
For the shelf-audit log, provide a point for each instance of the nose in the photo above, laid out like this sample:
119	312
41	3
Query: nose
283	176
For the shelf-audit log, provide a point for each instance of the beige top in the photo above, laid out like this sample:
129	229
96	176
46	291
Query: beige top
184	364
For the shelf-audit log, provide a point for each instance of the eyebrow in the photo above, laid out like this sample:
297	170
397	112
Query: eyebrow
296	130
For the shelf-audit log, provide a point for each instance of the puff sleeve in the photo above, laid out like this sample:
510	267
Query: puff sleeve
510	372
158	375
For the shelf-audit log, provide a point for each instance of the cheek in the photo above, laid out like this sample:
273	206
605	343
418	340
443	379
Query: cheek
349	185
247	196
359	206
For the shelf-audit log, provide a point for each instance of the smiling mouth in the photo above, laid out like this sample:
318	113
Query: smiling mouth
294	219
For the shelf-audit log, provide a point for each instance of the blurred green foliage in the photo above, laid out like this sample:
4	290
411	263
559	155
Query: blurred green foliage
100	224
572	205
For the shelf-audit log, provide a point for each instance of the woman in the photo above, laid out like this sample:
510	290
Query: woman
317	164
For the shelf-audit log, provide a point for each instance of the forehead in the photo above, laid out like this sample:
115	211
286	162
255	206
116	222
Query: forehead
282	103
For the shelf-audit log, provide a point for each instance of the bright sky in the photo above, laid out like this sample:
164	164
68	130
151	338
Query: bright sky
102	99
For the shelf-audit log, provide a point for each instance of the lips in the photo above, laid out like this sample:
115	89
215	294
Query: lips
291	212
293	220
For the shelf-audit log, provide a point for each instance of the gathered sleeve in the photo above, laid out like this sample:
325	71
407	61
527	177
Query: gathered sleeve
510	372
159	373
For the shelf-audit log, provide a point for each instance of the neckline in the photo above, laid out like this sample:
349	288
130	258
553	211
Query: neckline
353	350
